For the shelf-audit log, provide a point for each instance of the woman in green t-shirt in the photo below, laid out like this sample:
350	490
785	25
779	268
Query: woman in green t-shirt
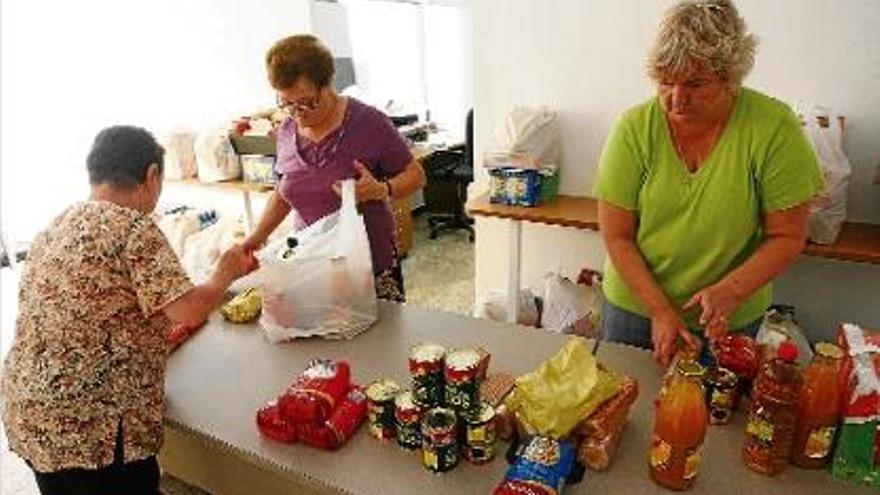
703	190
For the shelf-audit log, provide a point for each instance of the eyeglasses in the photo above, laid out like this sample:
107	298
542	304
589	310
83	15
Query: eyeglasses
304	105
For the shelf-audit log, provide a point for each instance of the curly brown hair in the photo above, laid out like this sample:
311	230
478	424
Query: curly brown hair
301	55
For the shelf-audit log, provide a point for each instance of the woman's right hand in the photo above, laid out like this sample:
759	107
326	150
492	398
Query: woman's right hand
666	327
236	262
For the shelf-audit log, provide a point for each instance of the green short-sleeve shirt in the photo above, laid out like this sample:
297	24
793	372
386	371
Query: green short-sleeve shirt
694	228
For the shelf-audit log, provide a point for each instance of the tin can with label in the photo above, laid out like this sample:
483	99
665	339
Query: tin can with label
380	408
409	420
462	382
426	370
480	435
721	387
439	442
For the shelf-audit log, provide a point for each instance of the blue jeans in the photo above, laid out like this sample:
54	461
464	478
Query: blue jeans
620	325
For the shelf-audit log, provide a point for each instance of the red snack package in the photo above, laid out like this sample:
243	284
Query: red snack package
510	487
317	435
270	424
860	372
346	419
738	353
316	392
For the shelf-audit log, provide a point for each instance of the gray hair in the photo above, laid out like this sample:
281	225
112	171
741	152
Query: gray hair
709	34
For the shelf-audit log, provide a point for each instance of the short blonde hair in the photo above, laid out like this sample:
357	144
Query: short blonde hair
709	34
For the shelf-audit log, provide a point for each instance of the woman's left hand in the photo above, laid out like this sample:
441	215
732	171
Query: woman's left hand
717	303
367	187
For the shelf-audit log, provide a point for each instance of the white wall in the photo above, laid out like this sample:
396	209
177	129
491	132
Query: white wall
72	68
586	60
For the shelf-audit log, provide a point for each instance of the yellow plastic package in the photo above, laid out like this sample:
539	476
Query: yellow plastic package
243	308
565	389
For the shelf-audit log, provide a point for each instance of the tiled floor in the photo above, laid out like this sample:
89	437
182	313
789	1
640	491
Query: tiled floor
438	274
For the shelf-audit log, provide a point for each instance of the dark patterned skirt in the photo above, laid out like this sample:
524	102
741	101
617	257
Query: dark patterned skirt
389	283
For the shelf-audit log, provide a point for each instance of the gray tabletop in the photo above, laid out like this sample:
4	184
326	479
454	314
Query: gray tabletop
217	381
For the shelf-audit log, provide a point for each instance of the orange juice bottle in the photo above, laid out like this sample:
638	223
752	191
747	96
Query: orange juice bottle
818	409
770	426
679	428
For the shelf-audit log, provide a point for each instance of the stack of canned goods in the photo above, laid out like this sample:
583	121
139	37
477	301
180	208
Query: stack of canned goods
426	370
381	395
409	419
442	415
439	440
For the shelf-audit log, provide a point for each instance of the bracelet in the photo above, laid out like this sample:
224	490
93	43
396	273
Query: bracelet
390	190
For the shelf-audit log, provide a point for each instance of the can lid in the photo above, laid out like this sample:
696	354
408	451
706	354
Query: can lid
382	389
829	350
690	369
439	418
723	376
463	359
405	400
427	352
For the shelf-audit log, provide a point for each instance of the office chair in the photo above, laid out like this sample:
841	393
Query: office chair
449	172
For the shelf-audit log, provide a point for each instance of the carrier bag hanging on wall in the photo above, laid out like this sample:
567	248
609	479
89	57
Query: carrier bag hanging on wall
828	211
326	287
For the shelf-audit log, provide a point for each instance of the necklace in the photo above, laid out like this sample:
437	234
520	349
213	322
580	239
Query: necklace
325	151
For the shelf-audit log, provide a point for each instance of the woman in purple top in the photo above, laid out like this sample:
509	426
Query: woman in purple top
327	138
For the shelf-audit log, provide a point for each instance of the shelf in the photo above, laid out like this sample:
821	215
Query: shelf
566	211
859	242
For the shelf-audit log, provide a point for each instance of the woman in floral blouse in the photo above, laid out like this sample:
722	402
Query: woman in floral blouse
83	384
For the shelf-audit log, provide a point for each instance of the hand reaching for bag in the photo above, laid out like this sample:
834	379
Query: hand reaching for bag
367	187
235	263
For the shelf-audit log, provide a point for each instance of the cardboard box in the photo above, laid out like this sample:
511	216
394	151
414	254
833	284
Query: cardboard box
253	145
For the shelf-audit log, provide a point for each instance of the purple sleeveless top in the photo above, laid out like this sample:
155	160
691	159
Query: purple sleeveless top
309	170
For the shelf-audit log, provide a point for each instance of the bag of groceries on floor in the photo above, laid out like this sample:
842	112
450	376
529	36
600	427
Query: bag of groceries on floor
324	285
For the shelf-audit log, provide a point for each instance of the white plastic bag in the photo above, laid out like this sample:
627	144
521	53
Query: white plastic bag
828	212
529	138
569	307
180	155
216	158
494	307
778	326
326	288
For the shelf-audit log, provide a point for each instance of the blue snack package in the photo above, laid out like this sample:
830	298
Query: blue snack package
545	462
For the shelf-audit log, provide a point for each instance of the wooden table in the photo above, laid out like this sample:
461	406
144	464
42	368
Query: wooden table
858	242
217	380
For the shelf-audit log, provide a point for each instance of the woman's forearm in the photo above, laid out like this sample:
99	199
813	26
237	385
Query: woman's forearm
276	210
771	258
631	266
407	182
786	233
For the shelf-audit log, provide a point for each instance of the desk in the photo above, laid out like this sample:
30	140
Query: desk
858	242
217	380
